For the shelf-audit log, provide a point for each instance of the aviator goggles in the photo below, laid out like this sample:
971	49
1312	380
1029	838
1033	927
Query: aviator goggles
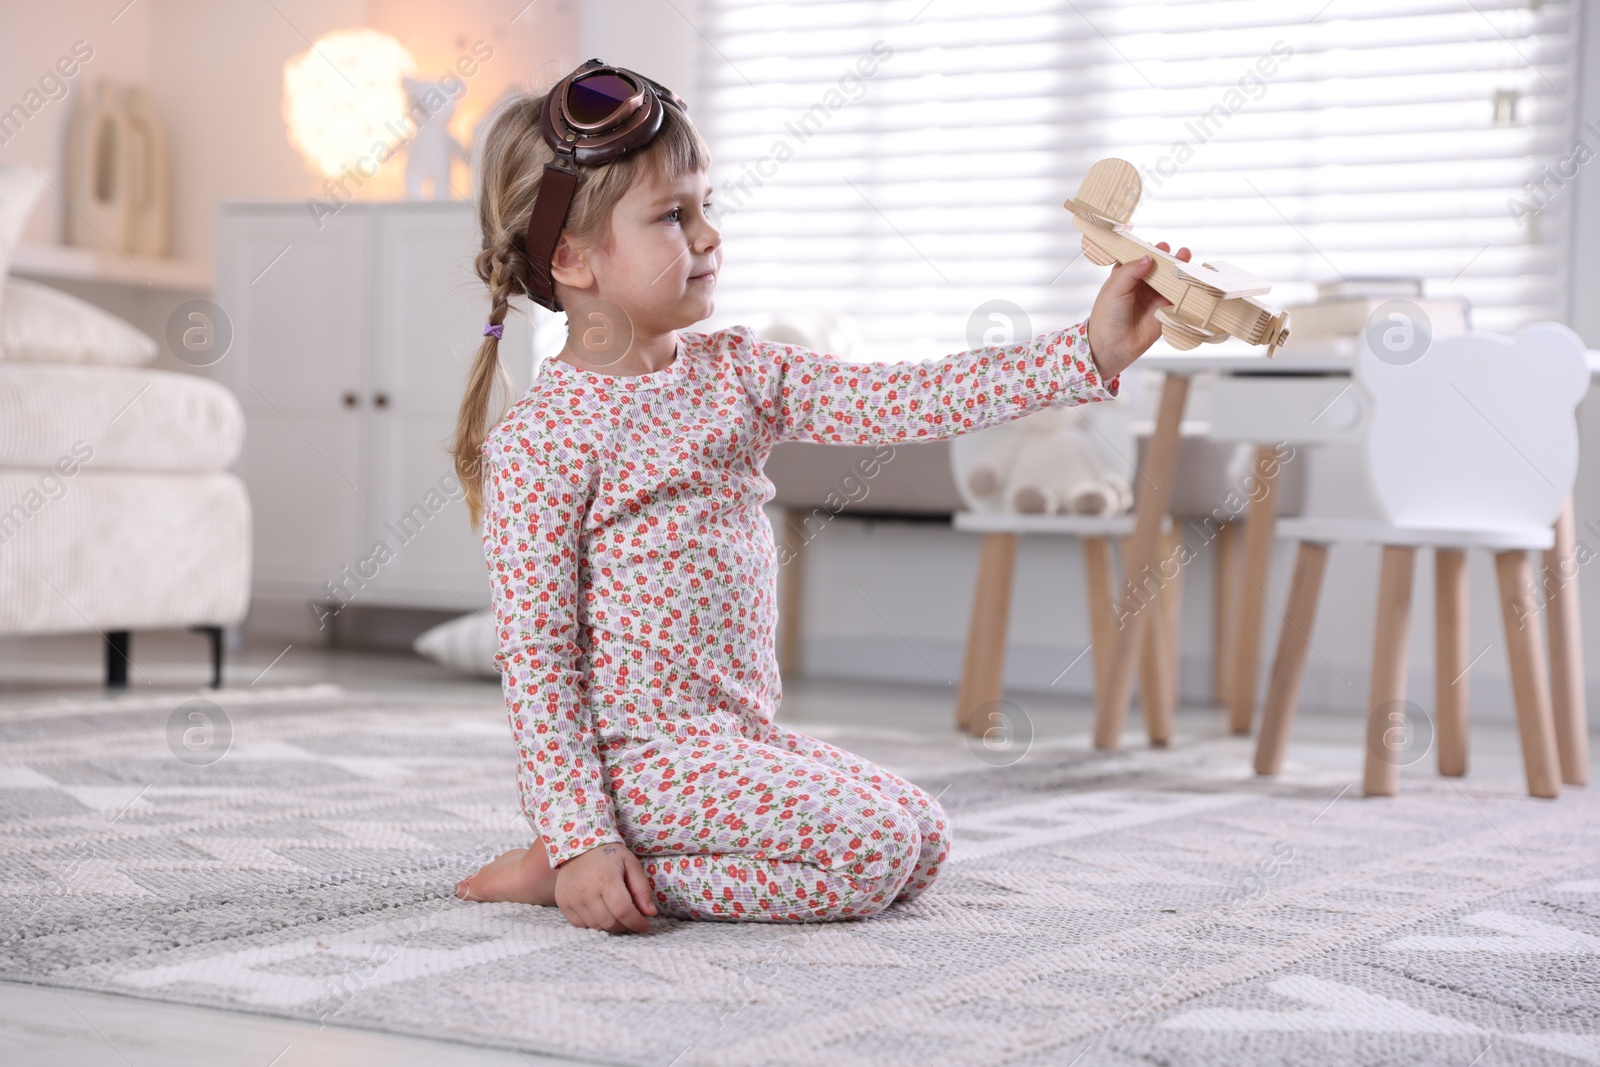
593	115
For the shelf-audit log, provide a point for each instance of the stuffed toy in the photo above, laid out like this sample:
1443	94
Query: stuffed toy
1045	463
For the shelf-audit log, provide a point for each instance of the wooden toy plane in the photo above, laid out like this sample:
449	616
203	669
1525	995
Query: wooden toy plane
1210	301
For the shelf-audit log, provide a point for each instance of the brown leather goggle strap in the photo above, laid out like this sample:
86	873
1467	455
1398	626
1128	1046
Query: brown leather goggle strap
544	230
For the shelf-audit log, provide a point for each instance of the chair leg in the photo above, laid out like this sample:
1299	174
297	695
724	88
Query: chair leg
1529	681
1382	776
1155	683
1568	701
117	659
1450	658
215	634
792	572
1172	608
1289	663
1097	581
1253	595
1225	614
986	636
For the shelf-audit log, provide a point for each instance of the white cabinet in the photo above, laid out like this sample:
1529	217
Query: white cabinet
351	346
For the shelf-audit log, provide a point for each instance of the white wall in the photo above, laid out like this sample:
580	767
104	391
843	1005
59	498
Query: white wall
34	38
657	39
215	74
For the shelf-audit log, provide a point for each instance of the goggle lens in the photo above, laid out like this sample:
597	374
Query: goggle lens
596	98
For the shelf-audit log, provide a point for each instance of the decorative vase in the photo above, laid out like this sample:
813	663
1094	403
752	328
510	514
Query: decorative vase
98	204
118	175
150	179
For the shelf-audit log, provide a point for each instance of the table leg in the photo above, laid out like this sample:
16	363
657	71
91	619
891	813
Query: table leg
1258	537
1568	699
1154	493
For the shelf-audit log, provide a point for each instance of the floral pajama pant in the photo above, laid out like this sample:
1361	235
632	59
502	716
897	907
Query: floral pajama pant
780	828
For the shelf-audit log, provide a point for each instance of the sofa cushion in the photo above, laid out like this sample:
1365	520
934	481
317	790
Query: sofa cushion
126	418
45	325
122	551
19	189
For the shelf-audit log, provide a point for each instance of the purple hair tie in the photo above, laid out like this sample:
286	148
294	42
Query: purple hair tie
497	330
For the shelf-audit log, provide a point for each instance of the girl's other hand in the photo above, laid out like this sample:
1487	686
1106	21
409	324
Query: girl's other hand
1122	323
605	889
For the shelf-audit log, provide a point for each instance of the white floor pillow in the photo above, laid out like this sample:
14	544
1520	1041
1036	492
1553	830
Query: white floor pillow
466	645
45	325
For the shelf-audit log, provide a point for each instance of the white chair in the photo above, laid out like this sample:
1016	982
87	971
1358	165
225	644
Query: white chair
1472	445
977	699
978	696
1204	504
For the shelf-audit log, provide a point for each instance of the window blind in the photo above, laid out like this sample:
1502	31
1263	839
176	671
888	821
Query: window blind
1304	141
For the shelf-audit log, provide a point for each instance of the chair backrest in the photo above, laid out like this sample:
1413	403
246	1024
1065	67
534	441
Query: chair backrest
1479	432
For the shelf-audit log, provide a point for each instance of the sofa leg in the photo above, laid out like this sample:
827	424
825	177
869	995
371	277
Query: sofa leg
117	659
215	633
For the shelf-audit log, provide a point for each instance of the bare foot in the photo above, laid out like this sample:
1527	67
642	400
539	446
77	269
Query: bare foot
522	876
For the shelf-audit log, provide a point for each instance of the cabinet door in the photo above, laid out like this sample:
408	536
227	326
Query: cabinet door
299	304
429	318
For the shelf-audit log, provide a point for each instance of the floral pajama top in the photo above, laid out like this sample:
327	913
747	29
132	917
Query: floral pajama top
634	576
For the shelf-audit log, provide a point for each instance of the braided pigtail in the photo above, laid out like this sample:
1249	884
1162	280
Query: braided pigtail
472	424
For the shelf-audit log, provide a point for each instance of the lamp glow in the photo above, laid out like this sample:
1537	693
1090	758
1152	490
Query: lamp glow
342	96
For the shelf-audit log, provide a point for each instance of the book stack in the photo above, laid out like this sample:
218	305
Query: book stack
1344	307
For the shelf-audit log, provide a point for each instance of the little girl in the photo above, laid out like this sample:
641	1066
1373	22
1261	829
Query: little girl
633	567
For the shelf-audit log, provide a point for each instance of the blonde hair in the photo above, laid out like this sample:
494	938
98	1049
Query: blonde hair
509	171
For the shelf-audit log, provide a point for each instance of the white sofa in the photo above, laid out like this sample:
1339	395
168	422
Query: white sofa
118	510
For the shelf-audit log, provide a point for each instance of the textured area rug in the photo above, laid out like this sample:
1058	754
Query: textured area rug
295	854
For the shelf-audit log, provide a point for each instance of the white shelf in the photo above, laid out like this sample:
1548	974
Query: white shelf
66	263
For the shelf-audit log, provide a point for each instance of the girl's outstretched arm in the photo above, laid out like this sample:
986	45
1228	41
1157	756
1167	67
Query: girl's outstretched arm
807	396
812	396
533	518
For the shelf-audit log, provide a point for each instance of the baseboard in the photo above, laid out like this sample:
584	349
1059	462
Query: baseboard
357	626
1336	688
284	619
